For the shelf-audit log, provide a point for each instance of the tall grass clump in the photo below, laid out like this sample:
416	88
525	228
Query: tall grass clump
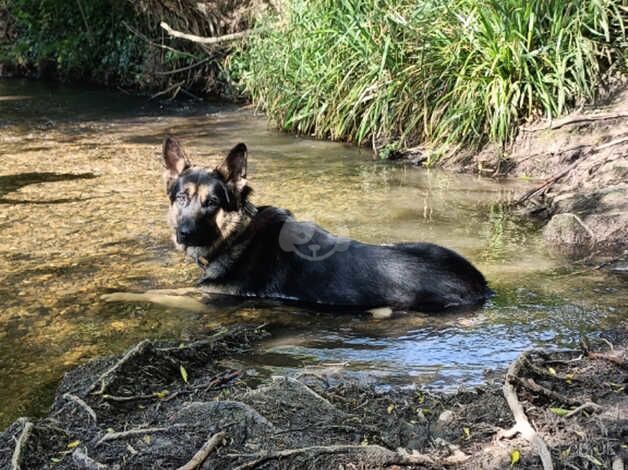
403	72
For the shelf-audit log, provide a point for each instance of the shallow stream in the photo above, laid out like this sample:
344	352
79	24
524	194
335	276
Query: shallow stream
82	214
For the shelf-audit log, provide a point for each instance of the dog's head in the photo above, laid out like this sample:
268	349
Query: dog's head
206	206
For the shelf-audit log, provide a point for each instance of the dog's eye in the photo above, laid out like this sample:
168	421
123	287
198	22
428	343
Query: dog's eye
211	201
182	198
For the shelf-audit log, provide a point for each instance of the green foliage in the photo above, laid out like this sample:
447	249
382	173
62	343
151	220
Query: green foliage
78	40
445	71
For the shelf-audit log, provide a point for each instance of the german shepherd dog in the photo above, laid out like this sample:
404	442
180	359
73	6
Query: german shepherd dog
264	252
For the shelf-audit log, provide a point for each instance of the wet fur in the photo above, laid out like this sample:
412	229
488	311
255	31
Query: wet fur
247	251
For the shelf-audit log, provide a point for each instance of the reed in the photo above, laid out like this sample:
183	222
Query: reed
445	72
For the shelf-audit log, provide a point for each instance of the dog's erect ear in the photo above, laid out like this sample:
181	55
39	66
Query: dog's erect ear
174	157
233	168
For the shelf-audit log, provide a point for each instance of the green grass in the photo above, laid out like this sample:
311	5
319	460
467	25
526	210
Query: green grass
443	72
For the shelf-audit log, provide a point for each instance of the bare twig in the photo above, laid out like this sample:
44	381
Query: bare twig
183	69
546	184
108	376
522	425
82	404
20	444
587	406
203	39
213	442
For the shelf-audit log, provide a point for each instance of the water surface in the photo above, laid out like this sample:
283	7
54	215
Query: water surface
82	214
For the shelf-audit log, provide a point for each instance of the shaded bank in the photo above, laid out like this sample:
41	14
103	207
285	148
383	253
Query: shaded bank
164	405
119	43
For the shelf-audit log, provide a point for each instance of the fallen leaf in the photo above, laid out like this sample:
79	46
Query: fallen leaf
551	370
73	444
515	456
162	394
467	432
184	374
390	408
559	411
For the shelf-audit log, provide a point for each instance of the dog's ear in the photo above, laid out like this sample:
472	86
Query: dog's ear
233	168
175	159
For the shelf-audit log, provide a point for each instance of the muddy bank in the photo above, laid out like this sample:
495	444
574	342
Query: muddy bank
165	405
581	165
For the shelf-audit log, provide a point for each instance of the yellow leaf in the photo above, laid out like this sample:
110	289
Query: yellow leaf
559	411
515	456
467	432
147	439
184	374
552	370
569	378
162	394
390	408
73	444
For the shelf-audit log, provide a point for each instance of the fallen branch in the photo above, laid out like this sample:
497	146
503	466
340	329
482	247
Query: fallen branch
522	424
82	404
20	444
109	375
184	69
203	39
204	451
112	436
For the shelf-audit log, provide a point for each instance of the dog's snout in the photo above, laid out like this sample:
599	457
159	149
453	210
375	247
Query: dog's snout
184	232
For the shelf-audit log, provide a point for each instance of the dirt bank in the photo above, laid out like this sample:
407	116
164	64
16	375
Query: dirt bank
581	164
164	405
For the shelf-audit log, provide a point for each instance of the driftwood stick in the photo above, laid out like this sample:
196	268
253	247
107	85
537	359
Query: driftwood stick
203	39
88	409
198	458
108	376
522	424
546	184
16	459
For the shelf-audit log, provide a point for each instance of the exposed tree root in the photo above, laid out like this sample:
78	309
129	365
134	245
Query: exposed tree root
522	424
16	459
135	432
531	385
614	356
82	404
109	376
374	454
213	442
576	120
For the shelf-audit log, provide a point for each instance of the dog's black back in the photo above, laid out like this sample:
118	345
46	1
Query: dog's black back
418	276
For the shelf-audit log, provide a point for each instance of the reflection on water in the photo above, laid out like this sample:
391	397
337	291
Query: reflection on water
83	214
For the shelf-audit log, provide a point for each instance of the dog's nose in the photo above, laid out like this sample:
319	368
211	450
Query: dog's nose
184	232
